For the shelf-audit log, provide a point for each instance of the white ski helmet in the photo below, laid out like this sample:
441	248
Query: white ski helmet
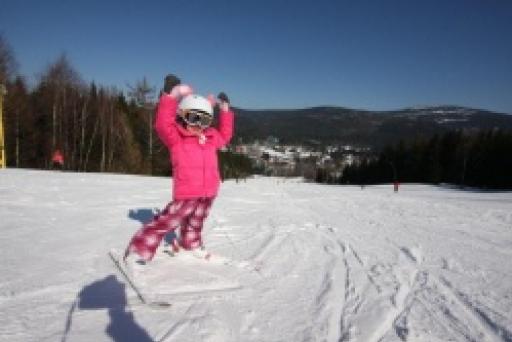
196	102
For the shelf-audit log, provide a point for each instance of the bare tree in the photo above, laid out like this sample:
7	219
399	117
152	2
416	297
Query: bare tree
143	95
8	64
61	82
17	106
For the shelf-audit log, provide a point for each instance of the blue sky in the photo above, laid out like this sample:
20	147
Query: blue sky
280	54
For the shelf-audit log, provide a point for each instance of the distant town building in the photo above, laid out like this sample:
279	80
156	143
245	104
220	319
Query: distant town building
298	160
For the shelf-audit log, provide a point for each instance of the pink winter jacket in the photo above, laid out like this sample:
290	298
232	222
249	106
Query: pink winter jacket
194	166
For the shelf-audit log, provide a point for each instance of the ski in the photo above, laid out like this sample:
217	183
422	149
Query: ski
216	259
121	267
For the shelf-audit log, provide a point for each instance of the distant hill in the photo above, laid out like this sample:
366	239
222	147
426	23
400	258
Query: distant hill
325	125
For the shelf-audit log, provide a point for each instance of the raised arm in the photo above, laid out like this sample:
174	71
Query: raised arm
165	122
226	121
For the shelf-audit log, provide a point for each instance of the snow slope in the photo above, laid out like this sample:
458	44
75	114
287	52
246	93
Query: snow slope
334	263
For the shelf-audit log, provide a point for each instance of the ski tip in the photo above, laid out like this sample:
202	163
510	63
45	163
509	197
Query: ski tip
117	254
113	252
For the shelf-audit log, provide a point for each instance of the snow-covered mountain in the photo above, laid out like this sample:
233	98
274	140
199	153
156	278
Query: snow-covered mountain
334	263
370	128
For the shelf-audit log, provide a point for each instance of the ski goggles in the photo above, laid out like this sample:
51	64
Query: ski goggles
197	118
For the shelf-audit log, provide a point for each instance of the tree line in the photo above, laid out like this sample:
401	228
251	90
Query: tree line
97	128
100	129
476	159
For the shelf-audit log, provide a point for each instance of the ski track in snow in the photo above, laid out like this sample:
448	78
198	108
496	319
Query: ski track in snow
308	263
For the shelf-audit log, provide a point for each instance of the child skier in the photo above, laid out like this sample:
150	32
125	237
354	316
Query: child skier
182	123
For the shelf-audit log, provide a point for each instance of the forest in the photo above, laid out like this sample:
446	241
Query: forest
475	159
97	128
102	129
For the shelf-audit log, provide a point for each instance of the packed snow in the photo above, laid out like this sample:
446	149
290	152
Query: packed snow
309	263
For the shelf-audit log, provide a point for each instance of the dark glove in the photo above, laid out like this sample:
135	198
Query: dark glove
170	82
223	97
223	101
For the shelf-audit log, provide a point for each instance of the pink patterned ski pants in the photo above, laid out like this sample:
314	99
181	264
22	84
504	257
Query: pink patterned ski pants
188	215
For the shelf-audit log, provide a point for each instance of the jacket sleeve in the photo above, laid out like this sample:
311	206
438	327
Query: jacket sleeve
225	129
165	122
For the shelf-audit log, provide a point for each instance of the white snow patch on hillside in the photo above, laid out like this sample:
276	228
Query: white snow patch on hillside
335	263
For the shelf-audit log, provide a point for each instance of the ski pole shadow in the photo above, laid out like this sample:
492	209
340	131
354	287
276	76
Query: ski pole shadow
109	294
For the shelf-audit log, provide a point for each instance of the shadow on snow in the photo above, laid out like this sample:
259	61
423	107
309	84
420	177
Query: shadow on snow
109	294
144	215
